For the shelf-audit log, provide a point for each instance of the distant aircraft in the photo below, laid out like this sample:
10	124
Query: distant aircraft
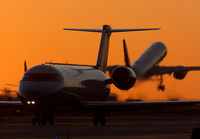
8	94
147	65
47	88
7	90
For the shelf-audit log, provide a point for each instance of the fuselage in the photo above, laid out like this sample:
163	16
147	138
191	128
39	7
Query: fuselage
148	59
77	82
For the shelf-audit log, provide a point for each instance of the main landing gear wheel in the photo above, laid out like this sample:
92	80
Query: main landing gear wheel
36	119
161	86
99	117
46	117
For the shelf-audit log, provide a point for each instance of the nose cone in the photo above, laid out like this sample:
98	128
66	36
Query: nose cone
159	46
30	94
40	81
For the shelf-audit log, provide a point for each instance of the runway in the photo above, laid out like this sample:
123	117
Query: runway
118	127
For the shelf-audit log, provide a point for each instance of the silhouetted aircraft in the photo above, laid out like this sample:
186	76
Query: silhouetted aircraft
8	94
46	88
7	90
147	65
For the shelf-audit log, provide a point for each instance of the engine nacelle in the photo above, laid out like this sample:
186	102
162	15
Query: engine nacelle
123	78
180	75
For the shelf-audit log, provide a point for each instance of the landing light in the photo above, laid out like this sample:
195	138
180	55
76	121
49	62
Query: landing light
31	102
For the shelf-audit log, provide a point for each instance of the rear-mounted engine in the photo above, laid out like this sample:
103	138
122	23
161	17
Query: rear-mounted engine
123	78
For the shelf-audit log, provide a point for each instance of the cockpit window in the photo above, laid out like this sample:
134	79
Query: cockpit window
41	77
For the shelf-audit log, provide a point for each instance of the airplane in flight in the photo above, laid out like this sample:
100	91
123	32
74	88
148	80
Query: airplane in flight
48	87
147	65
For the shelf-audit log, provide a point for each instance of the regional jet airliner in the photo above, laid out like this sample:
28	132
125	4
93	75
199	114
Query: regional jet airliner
46	88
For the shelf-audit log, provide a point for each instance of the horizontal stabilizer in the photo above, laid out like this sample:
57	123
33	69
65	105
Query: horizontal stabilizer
112	30
81	29
136	29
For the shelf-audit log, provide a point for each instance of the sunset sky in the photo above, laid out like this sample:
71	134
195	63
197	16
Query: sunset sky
32	30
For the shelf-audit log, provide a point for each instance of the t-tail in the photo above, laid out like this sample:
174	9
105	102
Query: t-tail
104	44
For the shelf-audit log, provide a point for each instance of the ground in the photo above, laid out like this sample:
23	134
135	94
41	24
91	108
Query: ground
118	127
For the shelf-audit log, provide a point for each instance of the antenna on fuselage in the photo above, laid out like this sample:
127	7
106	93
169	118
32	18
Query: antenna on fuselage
104	44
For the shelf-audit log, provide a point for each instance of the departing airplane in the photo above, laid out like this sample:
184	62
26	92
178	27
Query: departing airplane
147	65
47	88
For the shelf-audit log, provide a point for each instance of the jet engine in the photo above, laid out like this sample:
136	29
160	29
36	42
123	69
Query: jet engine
180	75
123	77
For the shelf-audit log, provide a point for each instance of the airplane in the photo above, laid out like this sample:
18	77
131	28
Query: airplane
7	90
147	65
49	87
8	94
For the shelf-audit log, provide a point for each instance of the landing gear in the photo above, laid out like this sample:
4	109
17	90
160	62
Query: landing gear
46	117
99	117
161	86
36	119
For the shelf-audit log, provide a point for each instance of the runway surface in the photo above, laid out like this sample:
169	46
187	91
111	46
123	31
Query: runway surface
118	127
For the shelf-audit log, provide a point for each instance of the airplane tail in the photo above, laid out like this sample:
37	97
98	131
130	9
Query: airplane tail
104	44
126	56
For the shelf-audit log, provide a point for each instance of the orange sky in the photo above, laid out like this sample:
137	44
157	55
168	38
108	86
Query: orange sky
32	30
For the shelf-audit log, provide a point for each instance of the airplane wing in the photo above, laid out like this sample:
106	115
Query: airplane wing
160	70
10	104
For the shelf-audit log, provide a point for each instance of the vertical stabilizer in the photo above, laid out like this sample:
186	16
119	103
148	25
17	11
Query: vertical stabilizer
103	49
